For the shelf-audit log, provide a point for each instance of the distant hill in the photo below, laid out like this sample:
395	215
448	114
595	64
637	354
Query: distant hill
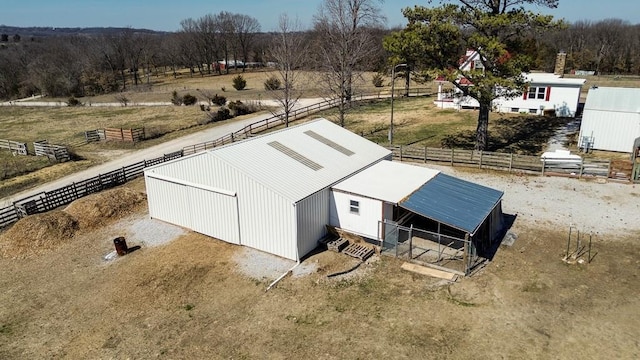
27	32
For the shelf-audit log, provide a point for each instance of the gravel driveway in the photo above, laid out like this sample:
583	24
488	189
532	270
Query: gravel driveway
610	209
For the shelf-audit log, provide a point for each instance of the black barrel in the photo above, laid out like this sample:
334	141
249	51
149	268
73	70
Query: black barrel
121	245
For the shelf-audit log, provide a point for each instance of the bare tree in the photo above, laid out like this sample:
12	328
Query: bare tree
288	51
343	42
246	29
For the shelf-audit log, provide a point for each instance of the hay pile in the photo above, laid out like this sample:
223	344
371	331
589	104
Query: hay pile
104	207
36	234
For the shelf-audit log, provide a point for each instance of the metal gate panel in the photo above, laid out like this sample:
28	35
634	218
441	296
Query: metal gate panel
215	214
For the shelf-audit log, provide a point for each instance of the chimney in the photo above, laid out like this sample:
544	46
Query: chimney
561	60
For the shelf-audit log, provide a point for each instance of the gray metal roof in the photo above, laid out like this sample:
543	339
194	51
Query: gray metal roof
297	166
612	99
455	202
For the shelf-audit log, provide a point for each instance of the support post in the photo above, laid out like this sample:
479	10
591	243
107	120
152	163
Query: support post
452	153
510	162
465	256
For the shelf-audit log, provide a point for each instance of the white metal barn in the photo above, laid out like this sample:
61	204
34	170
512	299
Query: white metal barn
611	119
269	192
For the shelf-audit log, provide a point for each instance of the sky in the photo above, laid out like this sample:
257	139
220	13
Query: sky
165	15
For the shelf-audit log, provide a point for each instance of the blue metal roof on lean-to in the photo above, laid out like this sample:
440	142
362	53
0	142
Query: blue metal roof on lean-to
455	202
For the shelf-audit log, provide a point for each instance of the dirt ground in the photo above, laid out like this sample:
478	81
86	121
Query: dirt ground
188	300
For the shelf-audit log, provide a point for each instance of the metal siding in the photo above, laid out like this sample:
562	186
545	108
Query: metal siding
455	202
613	99
267	220
214	214
612	117
291	179
387	180
611	131
168	202
312	218
364	223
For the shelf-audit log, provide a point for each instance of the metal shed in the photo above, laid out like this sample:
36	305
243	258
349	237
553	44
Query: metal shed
269	192
415	211
611	119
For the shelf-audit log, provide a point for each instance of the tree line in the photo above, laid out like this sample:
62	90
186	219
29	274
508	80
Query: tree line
342	45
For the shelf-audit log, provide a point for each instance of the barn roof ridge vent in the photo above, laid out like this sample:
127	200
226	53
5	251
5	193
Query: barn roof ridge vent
330	143
295	155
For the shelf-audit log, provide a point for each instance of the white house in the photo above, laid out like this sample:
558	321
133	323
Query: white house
270	192
545	92
278	192
611	120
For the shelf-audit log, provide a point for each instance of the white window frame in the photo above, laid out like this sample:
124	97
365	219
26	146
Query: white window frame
537	93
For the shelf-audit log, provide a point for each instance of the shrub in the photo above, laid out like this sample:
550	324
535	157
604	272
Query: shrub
73	102
175	99
189	99
238	108
218	100
122	99
239	83
272	83
222	114
377	80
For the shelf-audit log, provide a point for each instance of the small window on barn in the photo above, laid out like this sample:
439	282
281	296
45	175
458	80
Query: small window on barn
354	207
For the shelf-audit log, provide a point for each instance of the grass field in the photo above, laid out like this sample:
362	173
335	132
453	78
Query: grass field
416	121
188	300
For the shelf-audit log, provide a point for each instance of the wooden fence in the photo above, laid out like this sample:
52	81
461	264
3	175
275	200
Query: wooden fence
129	135
54	152
14	146
514	162
279	120
94	135
50	200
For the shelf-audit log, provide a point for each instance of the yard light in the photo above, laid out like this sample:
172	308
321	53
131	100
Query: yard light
393	82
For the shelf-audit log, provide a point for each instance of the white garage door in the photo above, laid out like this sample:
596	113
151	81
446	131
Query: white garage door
214	214
209	211
169	201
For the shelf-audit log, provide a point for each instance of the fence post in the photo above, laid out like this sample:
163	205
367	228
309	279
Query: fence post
400	153
452	152
510	162
425	154
480	166
124	174
609	169
543	166
581	168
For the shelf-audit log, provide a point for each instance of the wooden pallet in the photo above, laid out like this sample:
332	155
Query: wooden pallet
337	245
359	251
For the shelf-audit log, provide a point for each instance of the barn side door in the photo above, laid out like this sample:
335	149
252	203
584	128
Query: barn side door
215	214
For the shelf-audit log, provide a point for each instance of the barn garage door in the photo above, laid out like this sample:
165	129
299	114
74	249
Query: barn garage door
209	211
214	214
169	201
